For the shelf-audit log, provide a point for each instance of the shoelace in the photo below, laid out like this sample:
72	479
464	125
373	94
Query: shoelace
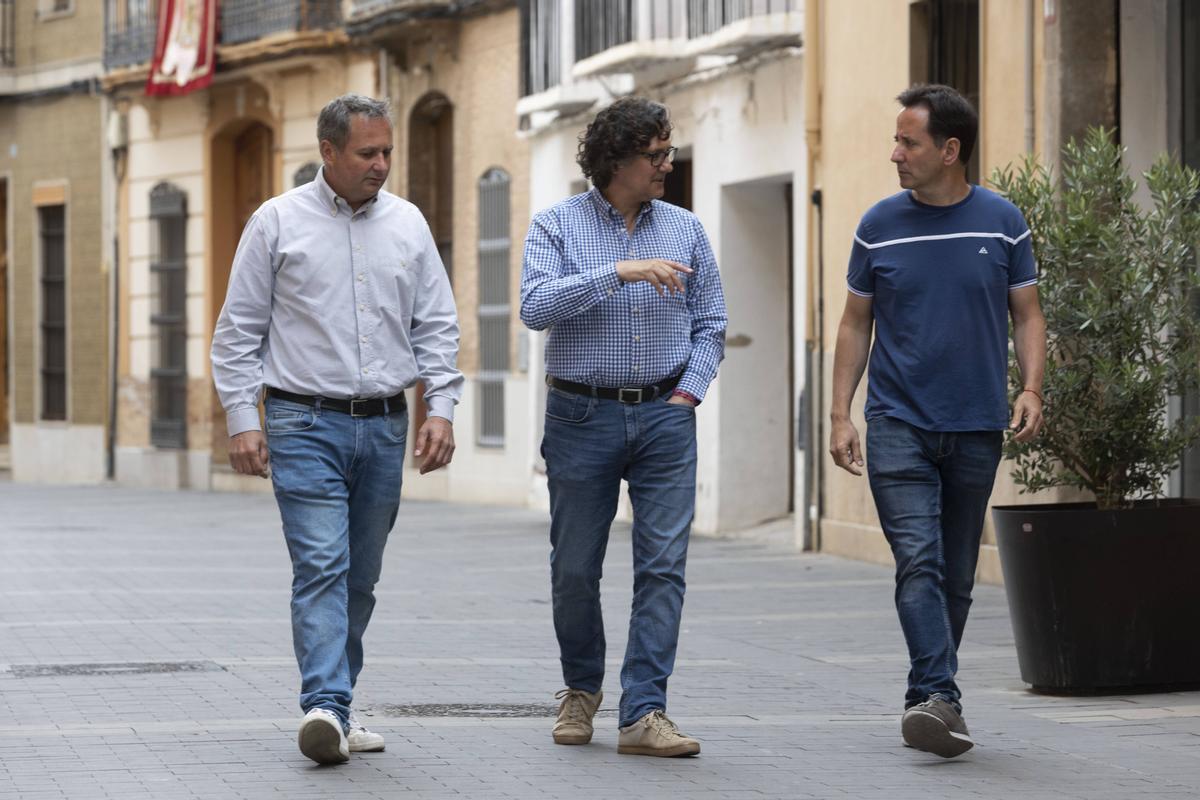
659	721
574	707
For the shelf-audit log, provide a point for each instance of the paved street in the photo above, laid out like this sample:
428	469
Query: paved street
145	652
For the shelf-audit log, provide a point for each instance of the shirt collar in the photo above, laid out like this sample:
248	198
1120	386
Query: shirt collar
605	207
332	203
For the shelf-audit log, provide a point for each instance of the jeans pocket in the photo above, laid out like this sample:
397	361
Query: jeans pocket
397	426
568	407
289	418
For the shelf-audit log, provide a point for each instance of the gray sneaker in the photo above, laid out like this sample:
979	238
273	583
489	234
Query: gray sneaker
574	723
936	727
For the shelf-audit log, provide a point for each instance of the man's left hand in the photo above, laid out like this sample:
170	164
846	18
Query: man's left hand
680	401
435	441
1027	417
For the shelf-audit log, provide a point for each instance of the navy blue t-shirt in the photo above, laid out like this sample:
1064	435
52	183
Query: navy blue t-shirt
939	278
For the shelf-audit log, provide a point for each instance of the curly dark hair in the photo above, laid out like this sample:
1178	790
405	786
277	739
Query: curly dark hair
619	132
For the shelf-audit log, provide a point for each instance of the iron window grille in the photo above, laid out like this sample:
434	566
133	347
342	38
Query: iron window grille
52	233
168	320
495	247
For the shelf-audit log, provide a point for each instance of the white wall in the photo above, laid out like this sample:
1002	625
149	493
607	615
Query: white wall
744	127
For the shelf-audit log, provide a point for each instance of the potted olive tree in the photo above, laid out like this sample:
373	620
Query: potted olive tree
1105	595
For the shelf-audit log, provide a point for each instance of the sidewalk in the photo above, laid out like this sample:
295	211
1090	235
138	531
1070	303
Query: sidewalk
145	652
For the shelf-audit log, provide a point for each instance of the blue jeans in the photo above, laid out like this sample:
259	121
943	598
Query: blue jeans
931	490
337	483
589	446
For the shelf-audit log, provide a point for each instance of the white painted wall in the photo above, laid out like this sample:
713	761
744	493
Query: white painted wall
743	129
58	452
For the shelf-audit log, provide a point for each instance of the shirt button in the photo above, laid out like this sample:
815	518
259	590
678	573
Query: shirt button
360	276
635	369
610	291
362	307
366	371
635	309
637	338
363	339
357	248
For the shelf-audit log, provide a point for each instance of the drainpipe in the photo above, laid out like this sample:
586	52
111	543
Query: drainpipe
1030	10
814	388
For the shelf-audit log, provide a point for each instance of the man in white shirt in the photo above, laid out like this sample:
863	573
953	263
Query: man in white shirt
337	302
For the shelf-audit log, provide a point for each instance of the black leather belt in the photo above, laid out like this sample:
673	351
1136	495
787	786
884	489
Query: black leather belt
371	407
636	394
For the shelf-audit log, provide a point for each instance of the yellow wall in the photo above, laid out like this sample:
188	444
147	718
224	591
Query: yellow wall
863	68
58	141
476	65
75	36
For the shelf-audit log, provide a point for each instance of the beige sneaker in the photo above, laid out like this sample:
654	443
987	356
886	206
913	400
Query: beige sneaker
655	735
574	723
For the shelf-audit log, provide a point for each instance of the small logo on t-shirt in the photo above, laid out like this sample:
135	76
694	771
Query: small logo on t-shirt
983	251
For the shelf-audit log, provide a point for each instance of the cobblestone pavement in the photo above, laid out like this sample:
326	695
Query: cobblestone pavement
145	652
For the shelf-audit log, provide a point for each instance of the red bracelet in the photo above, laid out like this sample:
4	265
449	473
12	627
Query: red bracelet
1035	393
690	398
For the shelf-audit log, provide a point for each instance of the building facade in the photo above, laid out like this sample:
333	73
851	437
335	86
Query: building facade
55	274
191	170
1040	73
732	76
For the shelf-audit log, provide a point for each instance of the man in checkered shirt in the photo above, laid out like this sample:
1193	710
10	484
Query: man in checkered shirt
628	288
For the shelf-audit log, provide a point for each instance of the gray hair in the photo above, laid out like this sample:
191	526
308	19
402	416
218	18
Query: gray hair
334	122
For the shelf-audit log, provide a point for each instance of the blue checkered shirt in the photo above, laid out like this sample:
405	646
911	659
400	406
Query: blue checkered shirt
607	333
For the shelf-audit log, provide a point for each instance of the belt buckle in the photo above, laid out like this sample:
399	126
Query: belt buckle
355	413
636	394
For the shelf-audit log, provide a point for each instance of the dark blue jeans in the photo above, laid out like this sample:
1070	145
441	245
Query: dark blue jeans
589	446
931	490
337	483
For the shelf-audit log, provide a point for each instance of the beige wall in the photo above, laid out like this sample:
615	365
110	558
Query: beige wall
475	64
57	141
75	36
857	118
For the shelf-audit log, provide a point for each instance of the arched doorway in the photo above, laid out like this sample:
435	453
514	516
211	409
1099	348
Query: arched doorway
242	178
431	186
431	169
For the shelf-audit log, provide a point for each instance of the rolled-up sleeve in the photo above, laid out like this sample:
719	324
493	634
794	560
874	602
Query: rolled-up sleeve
434	333
242	326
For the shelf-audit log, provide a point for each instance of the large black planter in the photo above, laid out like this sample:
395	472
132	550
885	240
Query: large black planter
1103	600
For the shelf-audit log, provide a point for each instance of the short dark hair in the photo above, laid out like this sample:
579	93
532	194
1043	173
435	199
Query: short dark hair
333	124
950	115
619	132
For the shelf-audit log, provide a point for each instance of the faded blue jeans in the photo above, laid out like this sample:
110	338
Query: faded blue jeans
589	446
337	483
932	490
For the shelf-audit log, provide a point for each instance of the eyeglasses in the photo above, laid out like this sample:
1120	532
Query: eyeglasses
658	157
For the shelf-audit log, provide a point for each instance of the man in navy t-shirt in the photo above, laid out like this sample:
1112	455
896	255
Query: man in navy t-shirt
936	270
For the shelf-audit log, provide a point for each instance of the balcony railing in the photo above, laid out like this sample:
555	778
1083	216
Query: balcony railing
131	25
601	24
129	29
541	42
709	16
247	20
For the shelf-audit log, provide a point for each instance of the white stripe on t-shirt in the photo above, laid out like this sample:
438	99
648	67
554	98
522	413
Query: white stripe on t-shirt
938	236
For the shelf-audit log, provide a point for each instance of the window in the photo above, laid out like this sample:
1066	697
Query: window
944	48
541	58
168	318
53	251
52	9
494	255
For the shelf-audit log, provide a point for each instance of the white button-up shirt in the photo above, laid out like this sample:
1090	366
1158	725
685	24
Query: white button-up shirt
328	301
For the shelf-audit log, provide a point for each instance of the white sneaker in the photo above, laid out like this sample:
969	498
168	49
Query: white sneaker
362	740
322	738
